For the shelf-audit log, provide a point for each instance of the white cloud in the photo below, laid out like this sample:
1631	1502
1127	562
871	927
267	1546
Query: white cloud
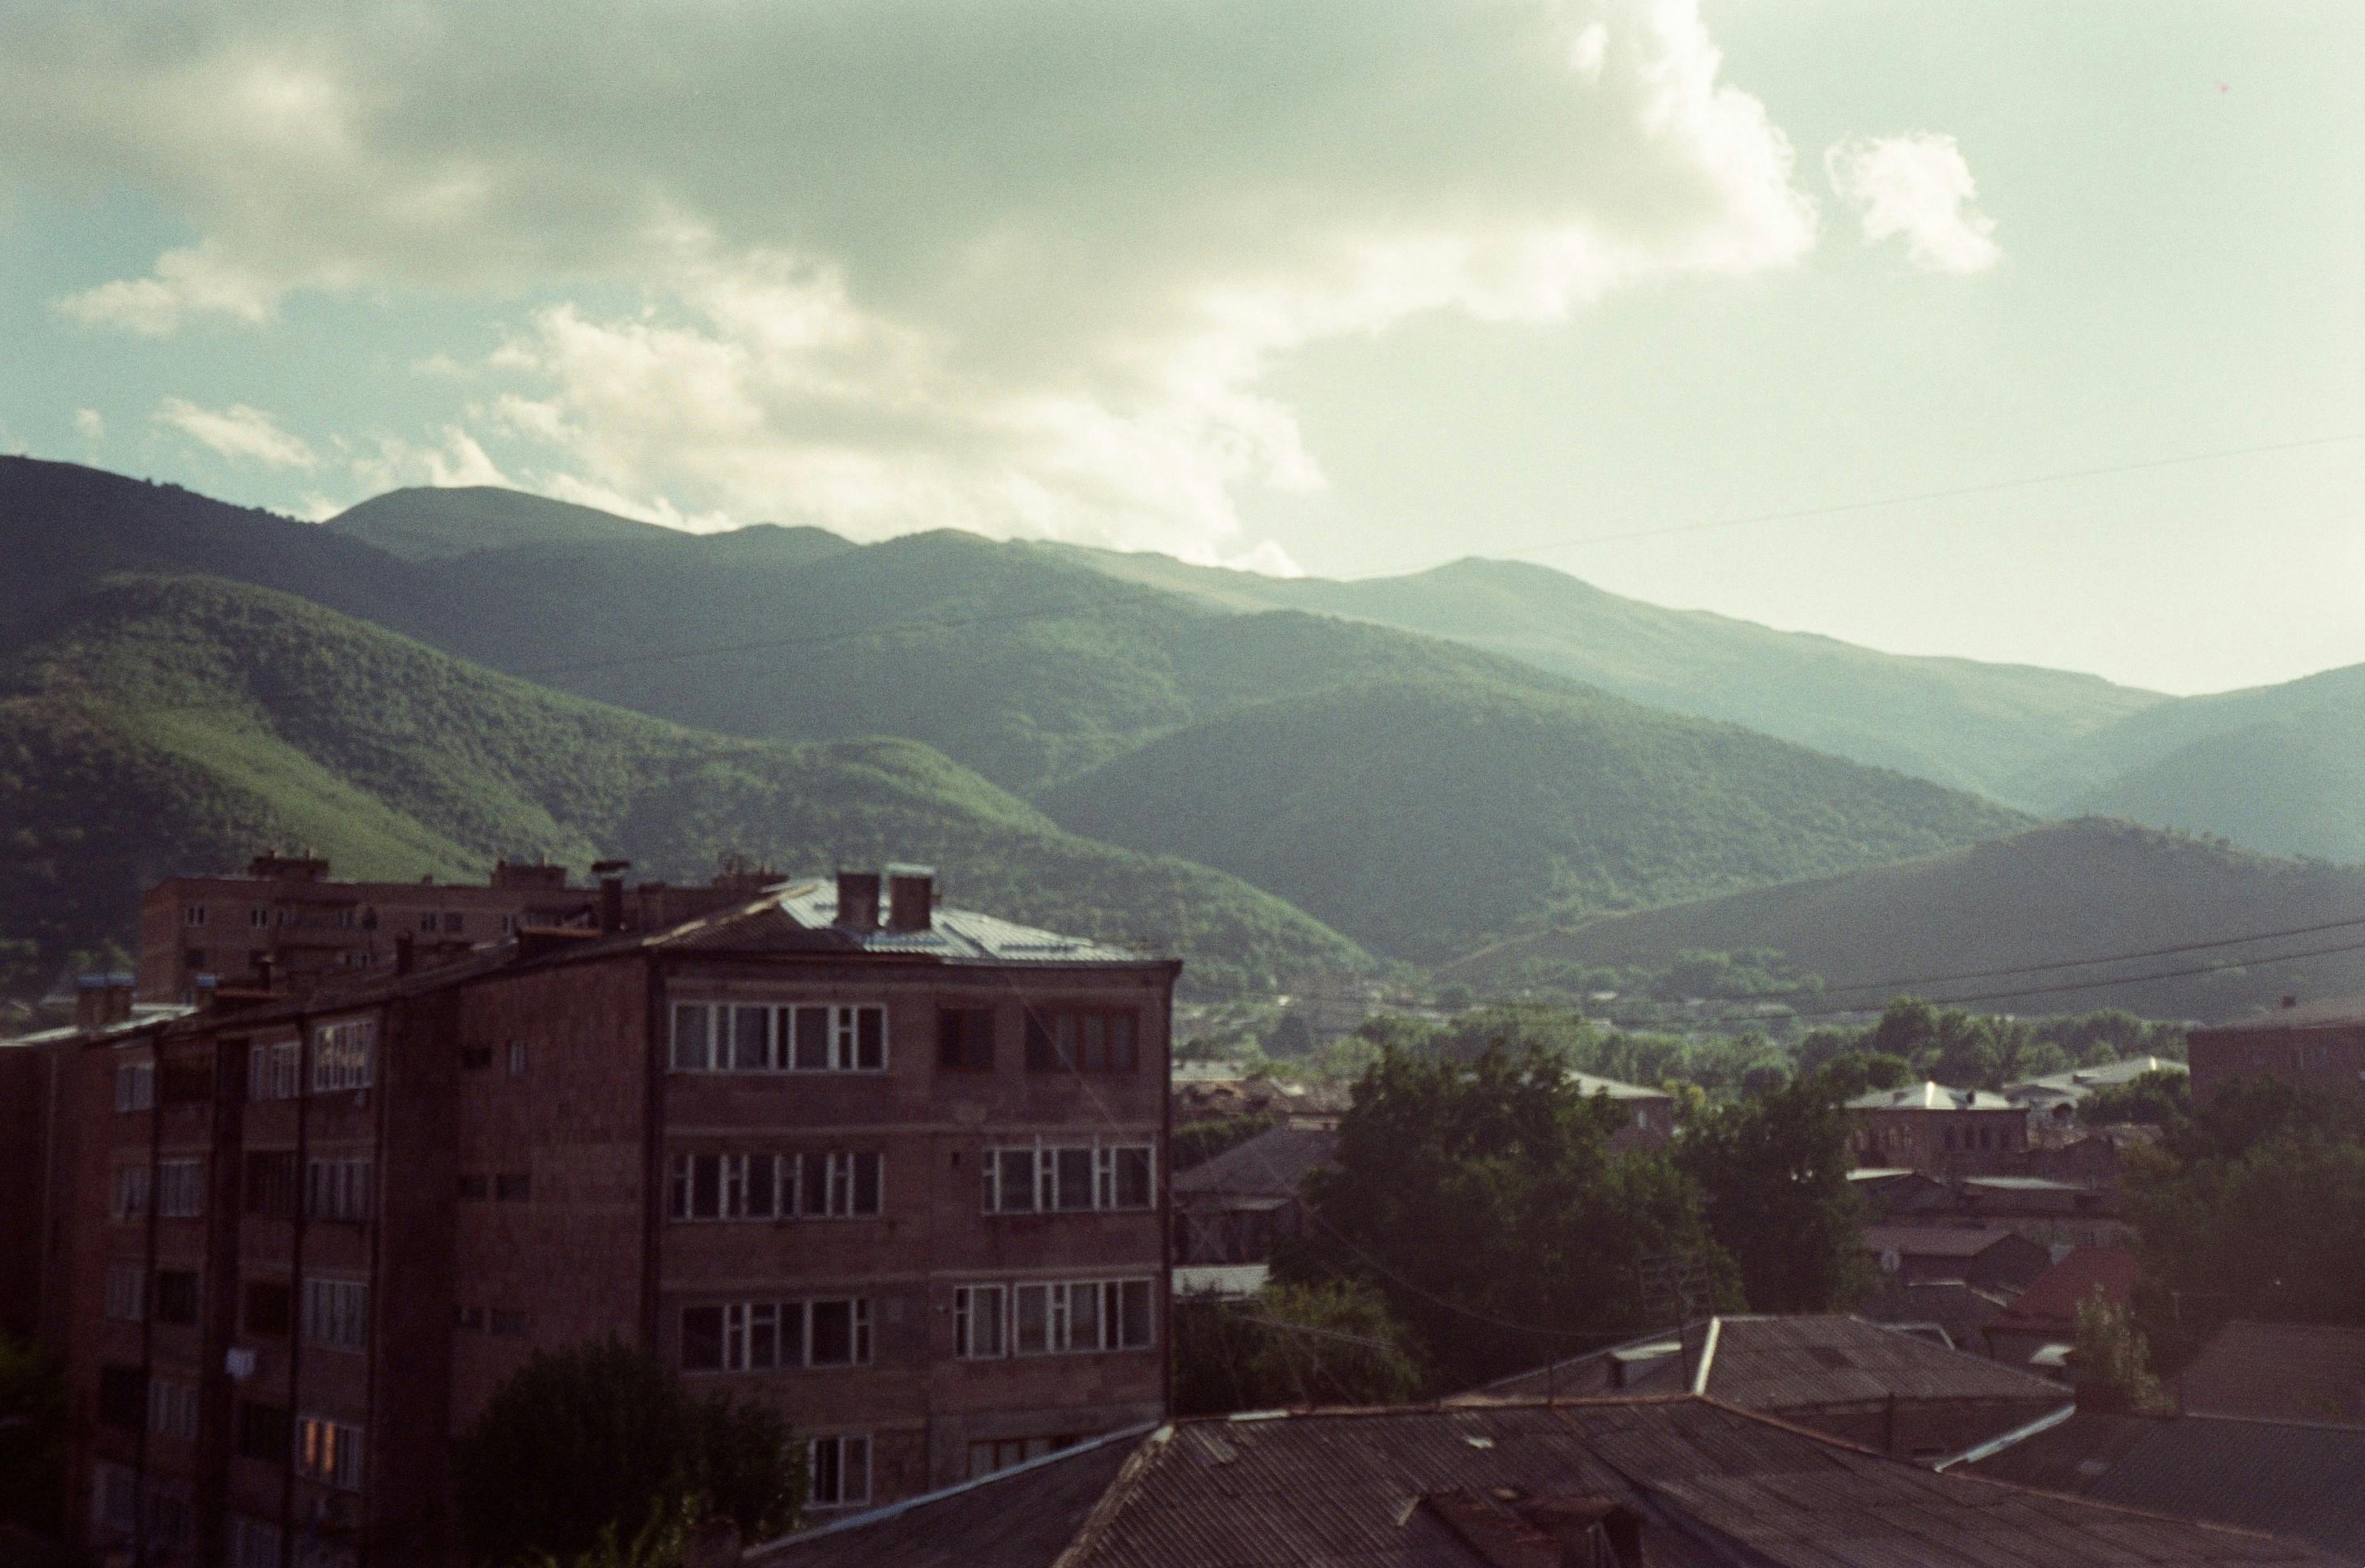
89	424
453	457
1919	187
238	433
1023	270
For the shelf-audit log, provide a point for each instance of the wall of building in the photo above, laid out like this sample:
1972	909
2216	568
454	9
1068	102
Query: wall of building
1956	1142
2326	1056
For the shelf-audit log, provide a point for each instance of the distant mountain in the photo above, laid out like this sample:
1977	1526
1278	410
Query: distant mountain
2088	887
162	724
426	522
1996	729
1421	813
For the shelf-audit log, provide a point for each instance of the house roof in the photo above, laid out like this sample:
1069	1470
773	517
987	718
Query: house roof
1709	1485
2049	1305
2293	1480
1270	1165
1792	1363
1589	1084
2280	1371
1936	1240
2078	1083
1962	1310
1929	1096
802	917
2330	1013
144	1015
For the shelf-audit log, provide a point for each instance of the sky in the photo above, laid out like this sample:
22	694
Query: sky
1345	286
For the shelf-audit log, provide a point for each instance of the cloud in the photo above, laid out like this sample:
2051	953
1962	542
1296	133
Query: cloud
89	424
453	457
238	433
1025	270
1919	188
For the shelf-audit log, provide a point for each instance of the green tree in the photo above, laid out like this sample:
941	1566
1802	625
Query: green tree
2156	1098
1481	1198
32	1434
1861	1072
600	1443
1292	1345
1773	1173
2113	1353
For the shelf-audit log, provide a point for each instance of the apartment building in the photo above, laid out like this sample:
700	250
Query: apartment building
2320	1046
898	1170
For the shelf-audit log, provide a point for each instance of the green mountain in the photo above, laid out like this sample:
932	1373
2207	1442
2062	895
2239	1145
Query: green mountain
1421	813
159	724
1995	729
2065	890
436	523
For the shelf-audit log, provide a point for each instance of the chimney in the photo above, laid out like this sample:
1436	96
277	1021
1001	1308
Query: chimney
911	897
611	893
857	901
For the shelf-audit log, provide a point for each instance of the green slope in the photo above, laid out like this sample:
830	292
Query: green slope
436	523
164	724
1421	814
1992	728
2087	887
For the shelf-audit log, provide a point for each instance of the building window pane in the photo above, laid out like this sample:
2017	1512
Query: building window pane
701	1338
751	1038
689	1036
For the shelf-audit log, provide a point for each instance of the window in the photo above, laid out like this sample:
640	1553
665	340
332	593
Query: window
263	1431
476	1058
341	1189
269	1187
179	1188
115	1496
171	1521
474	1189
194	958
173	1409
453	922
258	917
509	925
965	1039
336	1315
744	1038
427	921
193	914
122	1397
760	1336
176	1298
838	1184
517	1187
511	1322
977	1321
991	1456
343	1055
329	1451
1070	1317
468	1317
126	1292
270	1308
1083	1040
837	1471
129	1199
252	1544
1071	1179
270	1072
135	1086
517	1058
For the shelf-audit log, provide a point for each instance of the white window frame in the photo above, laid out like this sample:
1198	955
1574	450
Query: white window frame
341	1187
258	917
1039	1190
974	1305
733	1180
128	1198
135	1086
788	1323
1070	1303
193	914
270	1071
329	1451
335	1314
127	1292
173	1409
704	1036
115	1497
848	1451
345	1055
180	1189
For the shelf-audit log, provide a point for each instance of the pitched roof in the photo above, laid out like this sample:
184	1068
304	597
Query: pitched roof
1269	1165
2049	1305
1358	1489
1590	1084
2078	1083
1936	1240
1796	1364
2293	1480
802	917
1962	1310
2280	1371
1929	1096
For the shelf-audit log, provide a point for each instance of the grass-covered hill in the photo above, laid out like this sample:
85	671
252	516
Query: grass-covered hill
160	725
436	523
2064	890
1421	814
1992	728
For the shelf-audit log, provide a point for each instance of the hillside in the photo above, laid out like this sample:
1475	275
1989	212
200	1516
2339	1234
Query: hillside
2064	890
1421	814
426	522
1995	729
175	725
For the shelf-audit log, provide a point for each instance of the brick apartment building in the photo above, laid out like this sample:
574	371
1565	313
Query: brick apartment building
2322	1046
287	925
897	1170
1928	1126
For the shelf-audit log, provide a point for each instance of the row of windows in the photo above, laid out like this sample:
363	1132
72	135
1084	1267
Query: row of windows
343	1056
764	1336
837	1471
1069	1179
835	1185
132	1294
336	1315
724	1037
335	1188
493	1320
512	1187
1053	1317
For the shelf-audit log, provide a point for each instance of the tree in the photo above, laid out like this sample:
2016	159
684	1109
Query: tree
1292	1037
1291	1345
1482	1201
1861	1072
602	1442
2155	1098
2113	1353
32	1434
1773	1174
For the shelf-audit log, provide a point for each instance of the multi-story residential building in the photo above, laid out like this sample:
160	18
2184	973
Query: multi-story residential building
2321	1046
287	925
1928	1126
897	1170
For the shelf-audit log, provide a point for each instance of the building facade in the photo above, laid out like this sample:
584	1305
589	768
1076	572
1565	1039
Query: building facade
2321	1048
897	1170
1928	1126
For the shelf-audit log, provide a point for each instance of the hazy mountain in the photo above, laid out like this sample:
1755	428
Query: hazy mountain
1422	813
2088	887
428	522
1993	728
167	725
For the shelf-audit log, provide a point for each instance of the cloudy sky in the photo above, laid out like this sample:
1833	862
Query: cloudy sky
1345	287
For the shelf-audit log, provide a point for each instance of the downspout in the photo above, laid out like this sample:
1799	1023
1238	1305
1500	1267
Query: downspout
299	1220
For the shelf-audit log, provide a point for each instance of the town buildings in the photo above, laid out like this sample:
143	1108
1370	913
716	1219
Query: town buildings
896	1168
1930	1127
2321	1046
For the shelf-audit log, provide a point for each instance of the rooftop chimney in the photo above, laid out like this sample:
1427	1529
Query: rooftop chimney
305	867
611	893
517	873
101	1000
911	897
857	901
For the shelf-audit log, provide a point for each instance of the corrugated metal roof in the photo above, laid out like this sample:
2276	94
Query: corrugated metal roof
2049	1305
1589	1084
1270	1165
1929	1096
2078	1083
2280	1371
1934	1240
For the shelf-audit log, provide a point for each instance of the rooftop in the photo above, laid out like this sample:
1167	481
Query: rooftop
1706	1483
2078	1083
802	917
2279	1372
1929	1096
1270	1165
1934	1240
2049	1305
1589	1084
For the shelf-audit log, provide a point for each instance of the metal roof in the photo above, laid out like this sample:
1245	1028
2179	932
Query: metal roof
1352	1489
2280	1371
2049	1305
1590	1084
802	917
2078	1083
144	1015
1270	1165
1936	1240
1930	1096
